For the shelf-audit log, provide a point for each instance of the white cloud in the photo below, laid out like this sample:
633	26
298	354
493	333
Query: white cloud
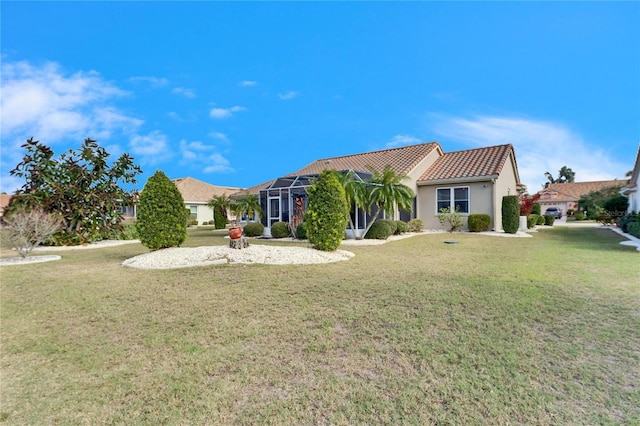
218	135
286	96
403	140
152	148
187	93
540	146
248	83
220	113
153	81
206	157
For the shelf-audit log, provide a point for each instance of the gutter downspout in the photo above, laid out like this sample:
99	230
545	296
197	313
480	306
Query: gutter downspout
494	203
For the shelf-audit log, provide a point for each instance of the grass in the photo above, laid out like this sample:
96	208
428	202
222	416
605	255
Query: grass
542	330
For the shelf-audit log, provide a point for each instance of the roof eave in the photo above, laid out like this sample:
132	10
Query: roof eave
431	182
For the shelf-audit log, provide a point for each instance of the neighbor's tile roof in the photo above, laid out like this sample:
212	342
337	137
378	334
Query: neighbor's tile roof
469	163
4	200
197	190
254	189
574	190
402	160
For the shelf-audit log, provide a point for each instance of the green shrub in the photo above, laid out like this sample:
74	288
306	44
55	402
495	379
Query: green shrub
415	225
451	219
633	228
540	220
301	231
592	214
579	216
510	214
549	219
478	222
193	222
626	220
128	232
401	227
537	209
379	230
280	230
392	225
326	216
253	229
161	219
532	221
616	206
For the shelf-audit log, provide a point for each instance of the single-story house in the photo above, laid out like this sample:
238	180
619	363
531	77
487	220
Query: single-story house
565	196
197	195
631	189
475	180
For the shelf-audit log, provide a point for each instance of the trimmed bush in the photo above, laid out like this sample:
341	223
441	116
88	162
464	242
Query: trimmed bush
161	219
280	230
392	225
253	229
478	222
633	228
626	221
540	220
549	219
532	221
301	231
537	209
379	230
401	227
327	213
579	216
415	225
510	214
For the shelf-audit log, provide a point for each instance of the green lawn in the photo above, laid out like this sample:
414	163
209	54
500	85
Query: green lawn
542	330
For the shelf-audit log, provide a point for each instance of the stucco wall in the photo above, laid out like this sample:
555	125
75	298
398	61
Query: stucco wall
505	185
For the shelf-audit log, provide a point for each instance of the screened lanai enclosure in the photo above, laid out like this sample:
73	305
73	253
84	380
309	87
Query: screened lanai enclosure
286	200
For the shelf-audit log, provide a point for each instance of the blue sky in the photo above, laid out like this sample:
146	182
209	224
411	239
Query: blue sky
237	93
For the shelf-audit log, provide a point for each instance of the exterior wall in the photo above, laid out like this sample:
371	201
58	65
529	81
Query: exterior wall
204	212
634	202
506	184
480	201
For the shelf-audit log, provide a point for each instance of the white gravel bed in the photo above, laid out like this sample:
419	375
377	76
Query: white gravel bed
215	255
7	261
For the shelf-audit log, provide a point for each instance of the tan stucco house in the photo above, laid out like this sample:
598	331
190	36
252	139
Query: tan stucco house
197	195
565	196
475	179
630	190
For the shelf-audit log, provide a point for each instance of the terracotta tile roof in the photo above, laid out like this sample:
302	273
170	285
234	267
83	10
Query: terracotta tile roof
254	189
469	163
574	190
197	190
402	160
4	201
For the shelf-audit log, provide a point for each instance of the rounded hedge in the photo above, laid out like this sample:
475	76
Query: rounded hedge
327	213
253	229
392	225
161	216
510	214
415	225
532	221
479	222
379	230
540	220
280	230
537	209
401	227
549	219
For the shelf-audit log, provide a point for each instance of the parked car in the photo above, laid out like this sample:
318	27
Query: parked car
554	211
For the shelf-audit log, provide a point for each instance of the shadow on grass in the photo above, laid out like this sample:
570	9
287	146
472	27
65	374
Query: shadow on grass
591	239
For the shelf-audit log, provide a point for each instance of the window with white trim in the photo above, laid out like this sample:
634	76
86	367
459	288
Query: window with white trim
453	197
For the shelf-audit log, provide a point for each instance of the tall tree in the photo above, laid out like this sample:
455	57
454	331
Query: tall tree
326	215
385	191
354	190
249	204
565	175
221	204
79	186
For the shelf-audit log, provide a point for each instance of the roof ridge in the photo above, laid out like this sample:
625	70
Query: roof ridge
479	148
377	151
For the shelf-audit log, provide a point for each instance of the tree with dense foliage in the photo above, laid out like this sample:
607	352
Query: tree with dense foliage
79	186
354	190
326	215
565	175
510	214
249	204
593	202
220	205
385	191
162	217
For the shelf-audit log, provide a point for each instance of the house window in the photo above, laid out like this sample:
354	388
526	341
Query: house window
193	212
452	198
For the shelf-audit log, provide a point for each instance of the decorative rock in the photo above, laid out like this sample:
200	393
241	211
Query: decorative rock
239	243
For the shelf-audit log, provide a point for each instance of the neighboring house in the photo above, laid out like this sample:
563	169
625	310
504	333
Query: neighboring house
631	189
197	195
565	196
474	179
4	203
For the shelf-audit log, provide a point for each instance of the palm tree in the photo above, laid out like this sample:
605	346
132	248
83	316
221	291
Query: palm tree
220	205
249	204
354	191
386	191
